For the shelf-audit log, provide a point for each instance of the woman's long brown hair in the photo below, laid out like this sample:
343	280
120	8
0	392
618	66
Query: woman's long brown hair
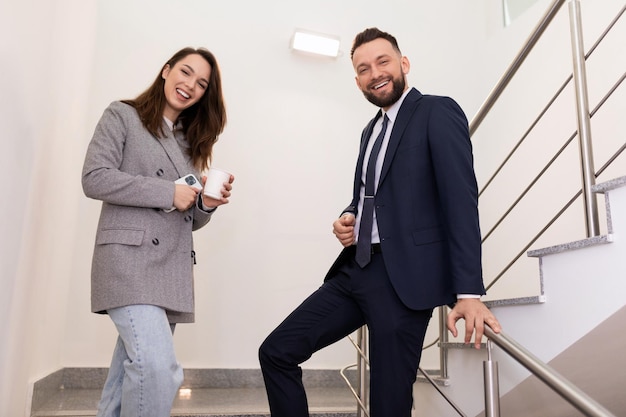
201	123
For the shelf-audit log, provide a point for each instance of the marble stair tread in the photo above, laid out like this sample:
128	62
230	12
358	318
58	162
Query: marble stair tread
209	402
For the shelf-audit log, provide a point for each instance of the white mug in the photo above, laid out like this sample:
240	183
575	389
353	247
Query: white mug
215	182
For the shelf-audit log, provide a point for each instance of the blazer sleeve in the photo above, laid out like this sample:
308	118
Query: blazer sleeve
102	176
451	153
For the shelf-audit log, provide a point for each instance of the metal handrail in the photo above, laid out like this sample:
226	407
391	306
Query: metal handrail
536	179
493	96
552	100
572	394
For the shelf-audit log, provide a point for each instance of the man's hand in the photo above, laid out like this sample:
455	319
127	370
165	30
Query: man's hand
476	314
343	228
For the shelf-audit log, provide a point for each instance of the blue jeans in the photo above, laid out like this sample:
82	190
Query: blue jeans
144	375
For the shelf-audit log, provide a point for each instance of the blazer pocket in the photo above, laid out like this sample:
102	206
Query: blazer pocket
430	235
133	237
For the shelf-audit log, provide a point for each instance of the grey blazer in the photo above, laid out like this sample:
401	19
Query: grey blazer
142	254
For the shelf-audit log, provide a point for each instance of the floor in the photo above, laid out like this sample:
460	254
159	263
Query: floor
201	402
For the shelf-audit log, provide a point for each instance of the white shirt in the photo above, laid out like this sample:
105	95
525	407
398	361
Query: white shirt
391	113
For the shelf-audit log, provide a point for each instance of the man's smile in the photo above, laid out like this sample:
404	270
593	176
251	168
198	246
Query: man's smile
381	85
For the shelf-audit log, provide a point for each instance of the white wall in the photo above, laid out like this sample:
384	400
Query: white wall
291	142
46	60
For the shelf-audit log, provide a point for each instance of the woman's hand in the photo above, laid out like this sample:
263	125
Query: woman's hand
184	197
226	192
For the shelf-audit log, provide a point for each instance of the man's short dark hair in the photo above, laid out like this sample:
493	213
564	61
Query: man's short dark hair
371	34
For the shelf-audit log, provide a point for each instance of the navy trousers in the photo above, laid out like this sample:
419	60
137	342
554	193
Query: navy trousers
344	303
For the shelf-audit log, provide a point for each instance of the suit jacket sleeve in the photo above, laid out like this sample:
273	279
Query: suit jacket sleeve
452	161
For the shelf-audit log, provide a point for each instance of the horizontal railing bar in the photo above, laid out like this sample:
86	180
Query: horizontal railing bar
519	255
547	106
530	186
537	236
611	159
606	31
608	94
342	372
358	348
525	135
443	394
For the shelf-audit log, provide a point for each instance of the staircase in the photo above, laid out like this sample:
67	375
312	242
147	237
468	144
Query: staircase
576	328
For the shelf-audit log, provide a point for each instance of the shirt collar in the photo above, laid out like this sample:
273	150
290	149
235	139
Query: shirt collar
169	123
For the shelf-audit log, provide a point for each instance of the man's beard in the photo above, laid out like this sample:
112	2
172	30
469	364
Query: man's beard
398	88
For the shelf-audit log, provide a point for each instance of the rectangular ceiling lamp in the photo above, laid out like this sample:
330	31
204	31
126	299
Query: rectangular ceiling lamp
315	43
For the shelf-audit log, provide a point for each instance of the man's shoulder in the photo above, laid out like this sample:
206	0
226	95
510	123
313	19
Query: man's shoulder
434	102
435	99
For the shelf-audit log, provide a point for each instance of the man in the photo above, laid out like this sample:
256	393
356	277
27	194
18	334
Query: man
414	219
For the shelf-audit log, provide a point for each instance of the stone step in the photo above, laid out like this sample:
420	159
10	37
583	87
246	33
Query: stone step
209	402
205	393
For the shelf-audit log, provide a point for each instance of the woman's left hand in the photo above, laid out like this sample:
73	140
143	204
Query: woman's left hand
226	192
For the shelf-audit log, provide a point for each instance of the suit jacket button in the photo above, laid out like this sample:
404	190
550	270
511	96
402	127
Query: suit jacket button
159	172
155	241
187	219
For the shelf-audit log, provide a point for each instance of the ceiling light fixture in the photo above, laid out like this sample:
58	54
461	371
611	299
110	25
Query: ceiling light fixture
315	43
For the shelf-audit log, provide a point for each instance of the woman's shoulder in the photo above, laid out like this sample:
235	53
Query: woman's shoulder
121	107
122	110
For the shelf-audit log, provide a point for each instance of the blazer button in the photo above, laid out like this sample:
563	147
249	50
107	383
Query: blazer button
188	219
159	172
155	241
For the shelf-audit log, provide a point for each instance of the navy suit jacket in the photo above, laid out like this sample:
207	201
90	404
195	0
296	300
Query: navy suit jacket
426	204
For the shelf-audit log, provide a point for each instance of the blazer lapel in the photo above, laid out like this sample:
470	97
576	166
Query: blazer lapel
367	133
402	120
173	151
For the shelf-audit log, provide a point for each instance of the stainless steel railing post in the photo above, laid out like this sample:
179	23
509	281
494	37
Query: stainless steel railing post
584	124
443	340
363	383
492	385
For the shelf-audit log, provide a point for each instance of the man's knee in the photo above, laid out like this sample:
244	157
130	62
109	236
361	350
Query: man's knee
267	352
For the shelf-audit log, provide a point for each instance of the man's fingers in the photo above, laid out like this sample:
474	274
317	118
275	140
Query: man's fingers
494	324
479	330
469	329
451	323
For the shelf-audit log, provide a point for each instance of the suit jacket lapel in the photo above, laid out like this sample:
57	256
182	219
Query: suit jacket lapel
367	133
402	120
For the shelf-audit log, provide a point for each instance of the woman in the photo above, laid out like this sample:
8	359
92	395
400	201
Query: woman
142	263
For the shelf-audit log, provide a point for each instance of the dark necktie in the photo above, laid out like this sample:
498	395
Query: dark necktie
364	244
